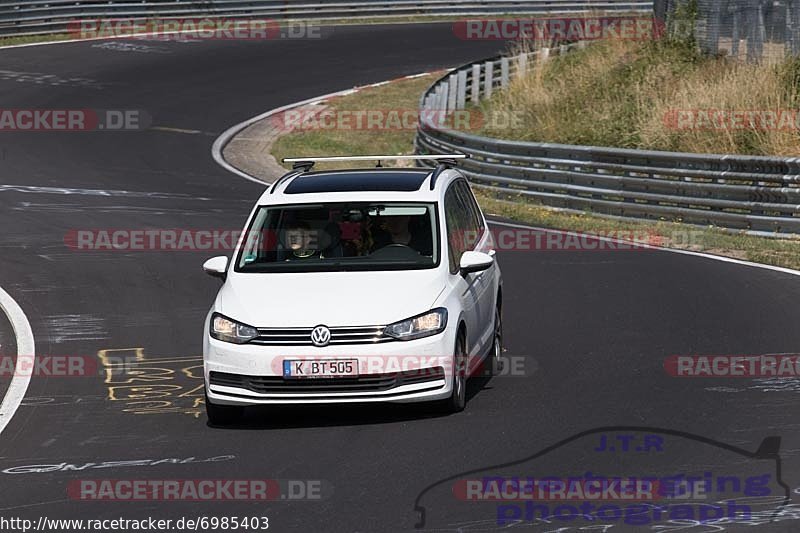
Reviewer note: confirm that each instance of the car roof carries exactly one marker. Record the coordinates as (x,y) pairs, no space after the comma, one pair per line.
(357,180)
(371,184)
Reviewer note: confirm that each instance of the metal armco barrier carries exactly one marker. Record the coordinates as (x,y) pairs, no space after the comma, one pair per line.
(757,194)
(36,17)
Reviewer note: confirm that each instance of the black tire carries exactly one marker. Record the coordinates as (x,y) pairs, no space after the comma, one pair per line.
(458,398)
(495,357)
(492,364)
(222,415)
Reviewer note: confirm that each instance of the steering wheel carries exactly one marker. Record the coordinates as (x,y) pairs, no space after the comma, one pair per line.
(394,249)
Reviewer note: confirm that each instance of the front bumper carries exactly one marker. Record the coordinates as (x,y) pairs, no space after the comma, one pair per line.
(410,371)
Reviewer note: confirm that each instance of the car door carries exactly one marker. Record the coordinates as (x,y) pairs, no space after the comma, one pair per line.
(460,239)
(484,281)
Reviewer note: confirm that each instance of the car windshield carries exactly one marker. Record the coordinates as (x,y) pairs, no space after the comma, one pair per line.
(341,236)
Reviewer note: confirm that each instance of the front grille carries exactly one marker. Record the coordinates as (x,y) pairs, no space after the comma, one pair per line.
(302,336)
(365,383)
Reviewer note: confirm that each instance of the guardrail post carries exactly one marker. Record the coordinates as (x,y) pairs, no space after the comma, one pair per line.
(504,72)
(522,64)
(487,79)
(461,97)
(475,93)
(452,92)
(544,54)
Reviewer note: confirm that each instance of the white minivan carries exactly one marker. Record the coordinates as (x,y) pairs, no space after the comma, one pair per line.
(366,285)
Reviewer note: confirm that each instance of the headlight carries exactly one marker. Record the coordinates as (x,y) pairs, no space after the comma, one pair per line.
(424,325)
(225,329)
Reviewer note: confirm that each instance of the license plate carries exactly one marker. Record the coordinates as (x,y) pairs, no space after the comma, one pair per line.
(320,368)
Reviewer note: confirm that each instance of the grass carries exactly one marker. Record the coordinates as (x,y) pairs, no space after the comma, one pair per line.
(400,96)
(405,95)
(29,39)
(633,94)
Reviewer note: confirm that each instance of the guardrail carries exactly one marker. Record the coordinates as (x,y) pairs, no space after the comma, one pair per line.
(36,17)
(758,194)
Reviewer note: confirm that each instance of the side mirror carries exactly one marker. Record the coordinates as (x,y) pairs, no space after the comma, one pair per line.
(475,262)
(216,266)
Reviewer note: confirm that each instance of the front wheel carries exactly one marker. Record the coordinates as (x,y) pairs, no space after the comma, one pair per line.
(458,397)
(497,345)
(222,415)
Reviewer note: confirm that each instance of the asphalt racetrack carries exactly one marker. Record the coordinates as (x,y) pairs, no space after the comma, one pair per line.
(592,329)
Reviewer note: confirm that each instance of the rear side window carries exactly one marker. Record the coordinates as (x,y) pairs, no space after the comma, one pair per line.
(476,220)
(462,225)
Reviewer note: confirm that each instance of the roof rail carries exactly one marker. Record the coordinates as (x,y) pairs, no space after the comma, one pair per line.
(444,164)
(307,163)
(290,174)
(305,166)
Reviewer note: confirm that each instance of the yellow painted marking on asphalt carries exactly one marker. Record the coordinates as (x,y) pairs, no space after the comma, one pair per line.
(144,385)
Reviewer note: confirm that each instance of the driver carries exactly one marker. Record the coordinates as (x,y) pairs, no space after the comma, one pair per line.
(396,230)
(397,227)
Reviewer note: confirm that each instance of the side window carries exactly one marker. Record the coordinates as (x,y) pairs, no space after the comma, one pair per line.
(457,226)
(475,208)
(474,220)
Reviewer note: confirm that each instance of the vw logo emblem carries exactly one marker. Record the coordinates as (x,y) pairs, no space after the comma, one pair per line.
(320,336)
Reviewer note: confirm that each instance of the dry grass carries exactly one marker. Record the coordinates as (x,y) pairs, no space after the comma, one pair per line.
(627,94)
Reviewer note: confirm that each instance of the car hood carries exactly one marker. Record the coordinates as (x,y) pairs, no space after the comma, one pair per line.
(330,298)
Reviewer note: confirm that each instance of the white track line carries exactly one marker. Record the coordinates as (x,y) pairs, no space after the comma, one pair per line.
(25,347)
(223,139)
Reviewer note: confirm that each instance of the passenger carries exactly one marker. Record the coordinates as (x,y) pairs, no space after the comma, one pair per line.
(301,241)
